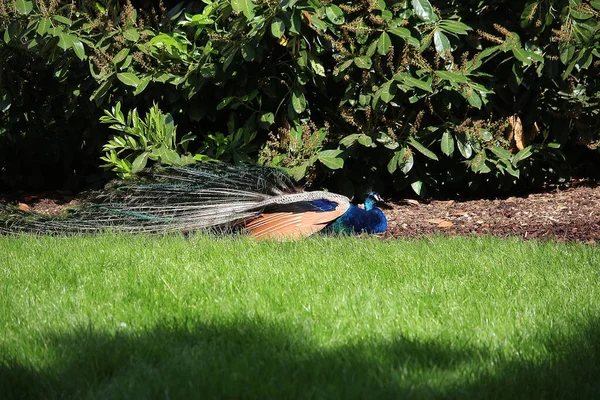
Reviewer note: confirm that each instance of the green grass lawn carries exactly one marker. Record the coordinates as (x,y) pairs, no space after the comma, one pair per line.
(117,316)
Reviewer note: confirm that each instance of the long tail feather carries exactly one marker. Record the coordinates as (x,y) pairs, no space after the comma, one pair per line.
(217,196)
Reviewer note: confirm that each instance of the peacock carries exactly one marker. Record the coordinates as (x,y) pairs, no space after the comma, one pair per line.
(260,201)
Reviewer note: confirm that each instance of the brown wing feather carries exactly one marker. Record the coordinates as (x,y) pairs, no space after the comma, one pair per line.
(290,224)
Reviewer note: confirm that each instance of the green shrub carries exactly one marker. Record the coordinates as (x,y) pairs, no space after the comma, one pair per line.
(460,94)
(151,138)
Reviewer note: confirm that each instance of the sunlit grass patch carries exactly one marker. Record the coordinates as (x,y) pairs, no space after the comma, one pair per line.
(149,316)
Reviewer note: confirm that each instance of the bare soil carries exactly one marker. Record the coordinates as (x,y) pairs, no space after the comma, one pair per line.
(567,213)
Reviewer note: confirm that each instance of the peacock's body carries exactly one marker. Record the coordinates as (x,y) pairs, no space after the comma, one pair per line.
(260,201)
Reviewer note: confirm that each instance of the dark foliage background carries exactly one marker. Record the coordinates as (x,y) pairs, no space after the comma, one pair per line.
(446,96)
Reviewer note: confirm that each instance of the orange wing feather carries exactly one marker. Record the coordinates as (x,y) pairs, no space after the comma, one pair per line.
(293,224)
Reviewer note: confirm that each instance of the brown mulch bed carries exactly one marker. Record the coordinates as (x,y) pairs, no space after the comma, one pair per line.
(570,213)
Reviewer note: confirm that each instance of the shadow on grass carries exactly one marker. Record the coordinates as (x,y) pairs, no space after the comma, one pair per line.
(257,359)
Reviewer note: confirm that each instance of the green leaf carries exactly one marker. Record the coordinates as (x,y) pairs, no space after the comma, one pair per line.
(131,34)
(295,22)
(387,92)
(120,56)
(464,147)
(268,118)
(318,23)
(379,5)
(406,162)
(455,27)
(413,82)
(98,95)
(24,6)
(244,6)
(224,102)
(43,26)
(447,143)
(422,149)
(143,83)
(7,36)
(473,98)
(486,134)
(365,99)
(365,140)
(402,160)
(330,158)
(452,76)
(65,41)
(126,63)
(129,79)
(566,52)
(139,163)
(317,67)
(384,43)
(186,159)
(163,40)
(276,161)
(515,77)
(595,4)
(394,162)
(277,28)
(299,171)
(249,51)
(581,13)
(585,30)
(363,62)
(372,49)
(100,7)
(349,140)
(302,58)
(166,156)
(201,19)
(478,162)
(480,88)
(521,155)
(62,20)
(424,10)
(501,153)
(514,172)
(527,57)
(78,48)
(5,100)
(442,43)
(417,186)
(335,14)
(202,158)
(405,34)
(527,13)
(585,58)
(298,101)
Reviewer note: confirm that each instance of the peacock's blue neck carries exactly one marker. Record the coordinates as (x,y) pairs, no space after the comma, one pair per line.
(358,220)
(370,203)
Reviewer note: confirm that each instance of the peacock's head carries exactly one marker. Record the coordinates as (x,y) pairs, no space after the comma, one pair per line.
(371,200)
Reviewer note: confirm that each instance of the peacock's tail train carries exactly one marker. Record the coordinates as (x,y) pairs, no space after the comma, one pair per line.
(261,201)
